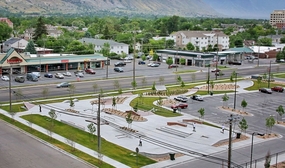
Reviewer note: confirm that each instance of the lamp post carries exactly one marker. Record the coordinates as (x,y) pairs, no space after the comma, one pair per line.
(258,55)
(208,80)
(235,96)
(217,58)
(269,74)
(251,151)
(230,141)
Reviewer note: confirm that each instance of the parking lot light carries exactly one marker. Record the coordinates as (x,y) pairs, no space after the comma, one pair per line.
(251,151)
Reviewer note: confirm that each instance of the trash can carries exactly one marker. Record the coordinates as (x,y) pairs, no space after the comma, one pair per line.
(211,93)
(174,110)
(238,135)
(172,156)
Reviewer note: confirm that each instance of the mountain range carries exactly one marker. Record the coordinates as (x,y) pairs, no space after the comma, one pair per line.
(186,8)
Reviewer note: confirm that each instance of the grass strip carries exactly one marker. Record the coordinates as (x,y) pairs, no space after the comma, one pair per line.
(56,143)
(263,84)
(109,149)
(146,104)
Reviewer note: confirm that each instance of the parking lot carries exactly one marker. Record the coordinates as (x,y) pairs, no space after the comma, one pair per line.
(260,105)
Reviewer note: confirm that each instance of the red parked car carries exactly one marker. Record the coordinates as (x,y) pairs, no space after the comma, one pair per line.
(181,105)
(90,71)
(277,89)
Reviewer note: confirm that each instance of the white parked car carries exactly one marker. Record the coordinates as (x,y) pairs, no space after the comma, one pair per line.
(5,78)
(59,76)
(127,61)
(67,74)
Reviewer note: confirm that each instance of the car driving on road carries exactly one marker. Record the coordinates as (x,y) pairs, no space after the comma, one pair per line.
(119,64)
(197,97)
(63,84)
(118,69)
(265,90)
(277,89)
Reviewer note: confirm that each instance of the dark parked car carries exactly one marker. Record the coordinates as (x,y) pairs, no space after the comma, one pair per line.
(118,69)
(141,62)
(215,70)
(277,89)
(119,64)
(265,90)
(181,98)
(90,71)
(234,62)
(197,97)
(181,105)
(48,75)
(63,84)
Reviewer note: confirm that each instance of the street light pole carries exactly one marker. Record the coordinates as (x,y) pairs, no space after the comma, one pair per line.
(235,95)
(217,58)
(251,151)
(230,142)
(208,81)
(10,91)
(269,71)
(258,55)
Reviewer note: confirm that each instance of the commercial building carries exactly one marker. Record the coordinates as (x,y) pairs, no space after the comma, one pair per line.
(277,19)
(201,39)
(8,21)
(26,62)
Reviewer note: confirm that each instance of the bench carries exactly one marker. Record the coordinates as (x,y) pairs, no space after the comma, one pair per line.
(176,123)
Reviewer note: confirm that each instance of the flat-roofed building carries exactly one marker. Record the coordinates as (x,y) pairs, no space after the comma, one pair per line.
(277,18)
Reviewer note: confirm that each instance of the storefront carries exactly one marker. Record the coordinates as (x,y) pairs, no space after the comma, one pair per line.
(24,63)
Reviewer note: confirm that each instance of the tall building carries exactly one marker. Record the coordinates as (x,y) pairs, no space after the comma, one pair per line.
(277,19)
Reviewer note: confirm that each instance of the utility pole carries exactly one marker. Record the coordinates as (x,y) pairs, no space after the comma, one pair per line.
(208,80)
(10,91)
(175,60)
(134,59)
(217,57)
(98,127)
(235,95)
(230,142)
(269,71)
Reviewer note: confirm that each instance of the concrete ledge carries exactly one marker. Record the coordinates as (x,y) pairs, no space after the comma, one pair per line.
(176,123)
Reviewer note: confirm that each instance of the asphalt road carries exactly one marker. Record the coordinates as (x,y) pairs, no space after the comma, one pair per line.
(261,105)
(151,74)
(17,150)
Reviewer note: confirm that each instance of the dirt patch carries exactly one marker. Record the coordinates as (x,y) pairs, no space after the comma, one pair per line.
(267,136)
(168,102)
(224,86)
(166,157)
(234,140)
(280,123)
(109,101)
(122,114)
(279,165)
(240,112)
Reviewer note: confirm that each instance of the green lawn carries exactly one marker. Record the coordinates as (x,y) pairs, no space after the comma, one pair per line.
(200,92)
(184,71)
(109,149)
(279,75)
(56,143)
(256,86)
(146,104)
(15,108)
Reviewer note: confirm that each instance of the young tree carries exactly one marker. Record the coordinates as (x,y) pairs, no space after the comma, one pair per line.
(71,103)
(182,84)
(270,123)
(212,85)
(70,140)
(193,76)
(95,87)
(182,61)
(153,86)
(243,104)
(280,111)
(144,82)
(159,101)
(114,102)
(267,160)
(225,99)
(143,57)
(106,50)
(169,61)
(116,84)
(258,81)
(161,80)
(155,57)
(243,125)
(120,91)
(5,32)
(71,89)
(201,111)
(45,92)
(31,48)
(264,76)
(233,75)
(52,115)
(178,79)
(92,129)
(136,106)
(129,119)
(134,84)
(141,98)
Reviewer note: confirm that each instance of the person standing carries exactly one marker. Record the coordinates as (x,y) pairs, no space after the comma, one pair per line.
(194,127)
(40,108)
(223,128)
(140,142)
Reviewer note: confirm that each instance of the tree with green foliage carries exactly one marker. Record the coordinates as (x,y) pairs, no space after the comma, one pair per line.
(225,98)
(270,121)
(114,102)
(106,50)
(267,160)
(95,87)
(52,115)
(92,129)
(280,111)
(153,86)
(134,84)
(178,79)
(116,84)
(129,119)
(233,75)
(201,111)
(40,29)
(143,81)
(182,61)
(45,92)
(258,81)
(190,46)
(136,106)
(159,101)
(243,104)
(212,84)
(155,57)
(143,57)
(31,48)
(5,32)
(243,125)
(79,48)
(264,76)
(169,44)
(265,41)
(169,61)
(182,84)
(71,103)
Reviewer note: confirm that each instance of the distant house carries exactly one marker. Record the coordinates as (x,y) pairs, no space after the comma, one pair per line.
(8,21)
(53,31)
(275,38)
(115,47)
(17,43)
(248,43)
(201,39)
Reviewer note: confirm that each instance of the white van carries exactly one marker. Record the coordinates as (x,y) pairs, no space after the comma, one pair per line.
(38,74)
